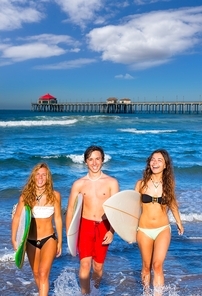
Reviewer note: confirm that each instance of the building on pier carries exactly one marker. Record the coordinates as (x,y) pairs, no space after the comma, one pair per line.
(112,100)
(125,101)
(47,99)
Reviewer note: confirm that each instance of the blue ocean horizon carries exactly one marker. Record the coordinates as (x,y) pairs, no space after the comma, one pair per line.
(60,139)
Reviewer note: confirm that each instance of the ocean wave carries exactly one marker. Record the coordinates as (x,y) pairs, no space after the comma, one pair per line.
(194,237)
(19,161)
(189,167)
(9,256)
(75,158)
(107,117)
(191,217)
(28,123)
(66,284)
(135,131)
(80,158)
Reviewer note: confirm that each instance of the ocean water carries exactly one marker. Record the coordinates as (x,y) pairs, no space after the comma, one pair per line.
(59,139)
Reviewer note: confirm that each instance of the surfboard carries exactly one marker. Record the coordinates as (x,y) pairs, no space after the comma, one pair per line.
(123,212)
(73,231)
(22,234)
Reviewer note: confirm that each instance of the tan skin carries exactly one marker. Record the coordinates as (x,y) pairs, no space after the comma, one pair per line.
(153,252)
(41,259)
(95,193)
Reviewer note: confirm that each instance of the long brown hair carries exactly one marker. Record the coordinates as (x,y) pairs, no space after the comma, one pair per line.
(168,186)
(29,190)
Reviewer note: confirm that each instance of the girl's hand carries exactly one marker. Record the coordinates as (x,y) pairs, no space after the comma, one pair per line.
(180,228)
(59,250)
(15,246)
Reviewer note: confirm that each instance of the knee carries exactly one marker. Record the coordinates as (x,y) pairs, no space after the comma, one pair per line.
(97,267)
(157,267)
(36,274)
(146,269)
(42,275)
(86,265)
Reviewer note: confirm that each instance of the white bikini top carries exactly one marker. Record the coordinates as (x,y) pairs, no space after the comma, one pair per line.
(42,212)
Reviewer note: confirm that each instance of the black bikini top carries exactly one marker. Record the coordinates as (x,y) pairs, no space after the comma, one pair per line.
(148,198)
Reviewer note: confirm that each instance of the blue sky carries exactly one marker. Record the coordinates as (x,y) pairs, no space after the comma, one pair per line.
(90,50)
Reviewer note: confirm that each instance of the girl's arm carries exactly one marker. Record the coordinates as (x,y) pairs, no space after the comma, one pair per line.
(58,222)
(138,186)
(176,215)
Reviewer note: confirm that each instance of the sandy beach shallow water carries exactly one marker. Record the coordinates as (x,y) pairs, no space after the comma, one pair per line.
(60,139)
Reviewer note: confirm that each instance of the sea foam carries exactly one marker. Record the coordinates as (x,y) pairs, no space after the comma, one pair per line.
(31,123)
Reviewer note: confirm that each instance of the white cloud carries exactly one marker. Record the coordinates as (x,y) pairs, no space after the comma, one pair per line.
(81,12)
(31,51)
(38,46)
(126,76)
(51,39)
(150,39)
(144,2)
(14,13)
(67,64)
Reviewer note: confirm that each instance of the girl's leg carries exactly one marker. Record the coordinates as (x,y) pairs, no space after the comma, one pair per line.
(33,255)
(145,244)
(41,261)
(161,246)
(48,253)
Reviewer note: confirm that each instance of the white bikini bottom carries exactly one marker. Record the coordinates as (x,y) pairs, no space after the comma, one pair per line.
(153,232)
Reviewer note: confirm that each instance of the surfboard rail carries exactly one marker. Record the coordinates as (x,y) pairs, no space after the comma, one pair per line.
(73,231)
(22,234)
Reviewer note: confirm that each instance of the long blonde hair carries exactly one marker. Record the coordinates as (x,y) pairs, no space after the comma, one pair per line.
(29,190)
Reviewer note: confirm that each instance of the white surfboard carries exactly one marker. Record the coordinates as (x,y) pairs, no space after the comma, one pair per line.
(123,212)
(73,231)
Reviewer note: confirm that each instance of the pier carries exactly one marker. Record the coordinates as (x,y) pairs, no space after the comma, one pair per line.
(121,108)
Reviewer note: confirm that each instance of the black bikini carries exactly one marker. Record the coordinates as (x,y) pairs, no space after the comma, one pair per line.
(40,242)
(148,198)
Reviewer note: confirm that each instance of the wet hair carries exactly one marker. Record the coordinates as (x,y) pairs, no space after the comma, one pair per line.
(91,149)
(168,186)
(29,190)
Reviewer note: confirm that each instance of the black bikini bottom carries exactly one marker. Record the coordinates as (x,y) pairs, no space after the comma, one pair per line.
(40,242)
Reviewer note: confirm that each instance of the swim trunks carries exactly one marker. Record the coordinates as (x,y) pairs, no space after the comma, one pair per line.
(90,239)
